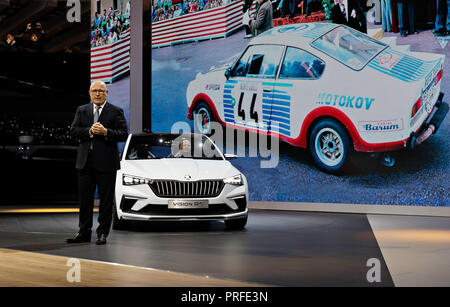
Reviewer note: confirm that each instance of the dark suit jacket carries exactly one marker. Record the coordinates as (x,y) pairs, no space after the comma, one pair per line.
(105,151)
(337,16)
(359,22)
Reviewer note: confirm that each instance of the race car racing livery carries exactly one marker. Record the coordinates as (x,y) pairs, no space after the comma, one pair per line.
(325,87)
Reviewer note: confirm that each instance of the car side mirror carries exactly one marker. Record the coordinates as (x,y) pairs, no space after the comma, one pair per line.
(230,156)
(228,73)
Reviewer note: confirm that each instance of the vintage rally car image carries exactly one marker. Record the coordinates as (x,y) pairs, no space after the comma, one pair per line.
(325,87)
(178,177)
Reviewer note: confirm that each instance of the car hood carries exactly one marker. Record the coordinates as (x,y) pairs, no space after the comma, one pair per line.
(220,67)
(177,169)
(213,74)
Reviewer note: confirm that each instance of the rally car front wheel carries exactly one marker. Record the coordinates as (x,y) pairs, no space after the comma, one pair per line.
(203,118)
(330,145)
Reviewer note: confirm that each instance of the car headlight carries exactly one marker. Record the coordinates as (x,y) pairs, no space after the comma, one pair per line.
(235,180)
(133,180)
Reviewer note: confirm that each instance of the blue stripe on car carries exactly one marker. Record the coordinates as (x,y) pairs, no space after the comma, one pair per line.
(276,84)
(408,68)
(281,114)
(272,107)
(276,102)
(276,119)
(276,96)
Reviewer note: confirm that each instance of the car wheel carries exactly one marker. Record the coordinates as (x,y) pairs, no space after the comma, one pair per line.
(236,224)
(203,118)
(330,145)
(117,223)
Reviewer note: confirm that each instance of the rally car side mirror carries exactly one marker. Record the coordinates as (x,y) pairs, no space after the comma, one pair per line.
(228,73)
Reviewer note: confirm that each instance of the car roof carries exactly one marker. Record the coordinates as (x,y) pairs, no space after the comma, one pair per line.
(294,34)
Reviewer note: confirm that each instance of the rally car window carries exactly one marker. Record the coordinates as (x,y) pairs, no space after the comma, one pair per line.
(241,67)
(259,61)
(300,64)
(265,60)
(348,46)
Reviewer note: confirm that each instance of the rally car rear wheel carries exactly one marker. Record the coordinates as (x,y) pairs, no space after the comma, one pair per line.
(329,144)
(203,118)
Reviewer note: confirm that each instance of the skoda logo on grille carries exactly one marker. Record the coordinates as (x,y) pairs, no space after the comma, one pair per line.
(187,177)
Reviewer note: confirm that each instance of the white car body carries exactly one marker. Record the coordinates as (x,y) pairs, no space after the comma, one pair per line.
(193,178)
(373,103)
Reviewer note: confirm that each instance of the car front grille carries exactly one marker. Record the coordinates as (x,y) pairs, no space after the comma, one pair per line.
(187,189)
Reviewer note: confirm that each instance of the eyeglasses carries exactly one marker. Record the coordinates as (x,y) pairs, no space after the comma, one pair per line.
(98,91)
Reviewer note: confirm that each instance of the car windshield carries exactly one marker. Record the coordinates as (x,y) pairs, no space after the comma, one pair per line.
(173,146)
(348,46)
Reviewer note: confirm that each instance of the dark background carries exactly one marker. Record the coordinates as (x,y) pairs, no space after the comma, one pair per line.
(40,89)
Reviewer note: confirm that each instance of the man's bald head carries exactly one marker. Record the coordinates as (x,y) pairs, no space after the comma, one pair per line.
(98,92)
(98,83)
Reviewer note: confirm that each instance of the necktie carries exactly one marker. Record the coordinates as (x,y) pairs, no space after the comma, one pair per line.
(96,116)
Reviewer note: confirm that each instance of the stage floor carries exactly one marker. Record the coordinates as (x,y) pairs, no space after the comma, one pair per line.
(278,248)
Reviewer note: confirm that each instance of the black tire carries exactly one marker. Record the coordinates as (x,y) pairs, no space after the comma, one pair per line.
(118,224)
(236,224)
(332,137)
(205,115)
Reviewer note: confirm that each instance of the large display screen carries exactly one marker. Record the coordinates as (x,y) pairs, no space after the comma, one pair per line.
(110,49)
(343,109)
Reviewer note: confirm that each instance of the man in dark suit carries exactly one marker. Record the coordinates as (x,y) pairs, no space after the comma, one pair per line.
(339,13)
(349,13)
(99,126)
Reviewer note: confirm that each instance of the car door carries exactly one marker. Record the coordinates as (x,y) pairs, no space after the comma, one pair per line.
(295,90)
(250,85)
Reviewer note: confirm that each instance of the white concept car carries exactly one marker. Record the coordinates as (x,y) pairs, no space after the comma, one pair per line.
(325,87)
(178,177)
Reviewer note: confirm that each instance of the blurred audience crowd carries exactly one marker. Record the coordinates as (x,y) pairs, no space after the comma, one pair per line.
(398,16)
(168,9)
(107,27)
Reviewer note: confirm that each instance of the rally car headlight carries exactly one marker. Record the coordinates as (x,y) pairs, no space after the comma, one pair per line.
(133,180)
(235,180)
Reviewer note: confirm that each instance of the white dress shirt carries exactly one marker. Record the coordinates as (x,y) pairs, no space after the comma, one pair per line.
(345,4)
(100,110)
(93,113)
